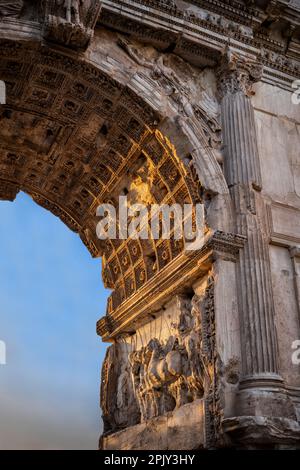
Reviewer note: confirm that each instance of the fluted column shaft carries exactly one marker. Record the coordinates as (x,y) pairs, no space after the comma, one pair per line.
(242,171)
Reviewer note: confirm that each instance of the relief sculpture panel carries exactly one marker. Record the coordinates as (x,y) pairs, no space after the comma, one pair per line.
(167,363)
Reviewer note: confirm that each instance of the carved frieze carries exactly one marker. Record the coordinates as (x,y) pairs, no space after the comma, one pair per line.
(168,373)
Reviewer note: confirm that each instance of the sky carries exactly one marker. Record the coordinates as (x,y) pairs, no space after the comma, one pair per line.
(51,295)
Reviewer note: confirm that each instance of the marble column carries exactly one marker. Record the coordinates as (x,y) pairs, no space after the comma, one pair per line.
(242,170)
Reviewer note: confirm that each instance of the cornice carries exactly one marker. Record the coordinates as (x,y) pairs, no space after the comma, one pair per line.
(177,275)
(231,9)
(200,41)
(250,13)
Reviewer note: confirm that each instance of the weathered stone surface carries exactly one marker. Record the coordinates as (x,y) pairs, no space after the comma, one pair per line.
(179,430)
(259,431)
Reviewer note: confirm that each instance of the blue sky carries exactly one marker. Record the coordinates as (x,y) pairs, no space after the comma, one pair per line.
(51,297)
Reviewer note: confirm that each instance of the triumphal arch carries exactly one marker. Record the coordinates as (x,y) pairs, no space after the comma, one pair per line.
(174,102)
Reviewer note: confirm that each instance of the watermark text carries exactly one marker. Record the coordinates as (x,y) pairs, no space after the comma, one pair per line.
(296,353)
(2,353)
(158,222)
(2,92)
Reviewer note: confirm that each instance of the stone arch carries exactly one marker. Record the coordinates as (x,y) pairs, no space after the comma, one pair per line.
(76,127)
(89,108)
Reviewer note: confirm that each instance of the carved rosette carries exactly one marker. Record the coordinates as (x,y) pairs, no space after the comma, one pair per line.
(71,22)
(238,74)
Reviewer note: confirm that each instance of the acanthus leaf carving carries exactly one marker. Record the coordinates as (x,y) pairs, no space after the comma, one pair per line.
(238,73)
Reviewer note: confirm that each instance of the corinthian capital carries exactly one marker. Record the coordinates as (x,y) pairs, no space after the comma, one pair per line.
(238,73)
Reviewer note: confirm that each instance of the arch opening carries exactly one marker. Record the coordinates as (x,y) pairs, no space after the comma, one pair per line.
(50,300)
